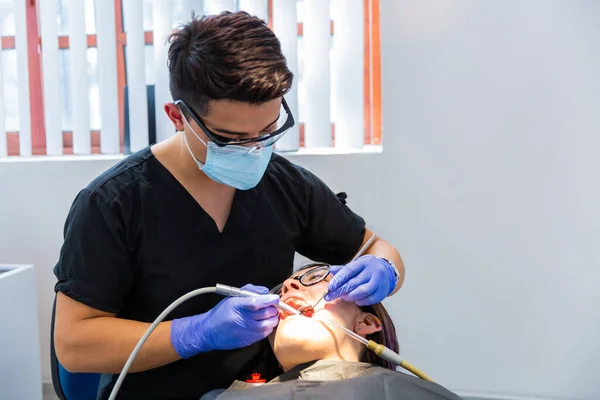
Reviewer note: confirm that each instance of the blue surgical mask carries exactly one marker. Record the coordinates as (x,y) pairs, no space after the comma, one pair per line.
(237,166)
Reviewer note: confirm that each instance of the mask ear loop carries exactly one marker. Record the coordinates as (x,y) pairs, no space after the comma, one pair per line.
(199,163)
(191,129)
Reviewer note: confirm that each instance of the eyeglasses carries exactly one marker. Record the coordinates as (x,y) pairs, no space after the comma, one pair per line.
(284,122)
(309,278)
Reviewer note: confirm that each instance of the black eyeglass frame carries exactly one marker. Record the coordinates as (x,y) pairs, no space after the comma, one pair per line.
(223,141)
(311,268)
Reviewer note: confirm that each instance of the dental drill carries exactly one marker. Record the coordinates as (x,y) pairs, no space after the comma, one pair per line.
(237,292)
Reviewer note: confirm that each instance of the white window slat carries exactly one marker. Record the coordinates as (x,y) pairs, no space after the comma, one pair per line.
(19,8)
(136,74)
(3,144)
(259,8)
(285,18)
(185,12)
(316,68)
(348,73)
(217,6)
(50,66)
(163,26)
(79,93)
(108,77)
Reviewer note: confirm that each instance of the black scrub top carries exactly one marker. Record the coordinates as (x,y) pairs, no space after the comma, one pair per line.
(136,240)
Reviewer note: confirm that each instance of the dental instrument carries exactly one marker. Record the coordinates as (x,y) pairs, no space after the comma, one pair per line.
(224,290)
(232,291)
(356,257)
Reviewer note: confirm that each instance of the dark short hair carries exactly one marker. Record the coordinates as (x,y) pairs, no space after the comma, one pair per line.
(231,56)
(387,336)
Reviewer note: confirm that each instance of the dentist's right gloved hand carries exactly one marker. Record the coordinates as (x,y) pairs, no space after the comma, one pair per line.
(233,323)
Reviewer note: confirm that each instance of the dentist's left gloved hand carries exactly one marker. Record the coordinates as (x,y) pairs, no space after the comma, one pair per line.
(365,281)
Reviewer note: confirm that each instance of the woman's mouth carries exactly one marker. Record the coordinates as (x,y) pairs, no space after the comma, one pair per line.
(297,304)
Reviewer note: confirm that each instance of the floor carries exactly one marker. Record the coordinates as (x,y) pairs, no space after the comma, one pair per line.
(48,392)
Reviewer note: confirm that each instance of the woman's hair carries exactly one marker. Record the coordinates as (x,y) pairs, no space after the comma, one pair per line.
(231,56)
(387,336)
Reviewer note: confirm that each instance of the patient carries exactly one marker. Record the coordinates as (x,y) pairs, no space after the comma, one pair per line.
(322,362)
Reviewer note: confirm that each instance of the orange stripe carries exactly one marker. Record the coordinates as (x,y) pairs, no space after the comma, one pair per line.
(376,55)
(270,14)
(8,42)
(36,93)
(367,72)
(121,73)
(148,37)
(12,143)
(332,134)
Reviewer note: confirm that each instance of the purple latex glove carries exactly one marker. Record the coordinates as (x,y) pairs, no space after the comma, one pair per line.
(233,323)
(365,281)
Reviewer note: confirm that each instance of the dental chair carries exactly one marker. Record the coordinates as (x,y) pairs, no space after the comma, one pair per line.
(68,385)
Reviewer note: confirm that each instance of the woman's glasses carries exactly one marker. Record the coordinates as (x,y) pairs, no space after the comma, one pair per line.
(309,278)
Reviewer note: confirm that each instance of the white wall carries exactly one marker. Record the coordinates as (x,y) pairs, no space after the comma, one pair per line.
(488,185)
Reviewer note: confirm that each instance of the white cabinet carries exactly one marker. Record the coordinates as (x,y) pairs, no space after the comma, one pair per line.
(20,365)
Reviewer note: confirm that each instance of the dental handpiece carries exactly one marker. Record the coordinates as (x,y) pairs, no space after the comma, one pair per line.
(232,291)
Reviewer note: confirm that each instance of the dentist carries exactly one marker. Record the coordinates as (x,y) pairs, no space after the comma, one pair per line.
(211,204)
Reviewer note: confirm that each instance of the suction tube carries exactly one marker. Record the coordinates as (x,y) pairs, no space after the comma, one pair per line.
(382,351)
(158,320)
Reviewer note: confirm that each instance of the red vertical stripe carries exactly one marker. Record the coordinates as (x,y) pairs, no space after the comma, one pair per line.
(36,93)
(121,73)
(376,55)
(367,71)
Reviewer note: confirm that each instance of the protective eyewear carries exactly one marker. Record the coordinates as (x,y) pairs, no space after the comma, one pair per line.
(284,122)
(309,278)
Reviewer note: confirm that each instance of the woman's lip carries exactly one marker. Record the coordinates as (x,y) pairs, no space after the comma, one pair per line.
(295,302)
(284,299)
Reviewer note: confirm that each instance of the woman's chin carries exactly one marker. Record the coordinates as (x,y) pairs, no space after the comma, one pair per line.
(301,335)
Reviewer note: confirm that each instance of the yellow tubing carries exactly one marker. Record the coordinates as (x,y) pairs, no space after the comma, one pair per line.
(415,370)
(380,350)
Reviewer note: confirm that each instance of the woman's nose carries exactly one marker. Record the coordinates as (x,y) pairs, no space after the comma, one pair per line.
(290,284)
